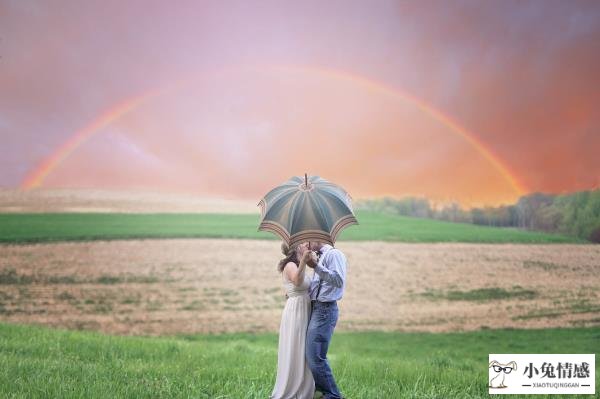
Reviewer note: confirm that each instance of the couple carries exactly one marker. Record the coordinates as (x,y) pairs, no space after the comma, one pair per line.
(308,320)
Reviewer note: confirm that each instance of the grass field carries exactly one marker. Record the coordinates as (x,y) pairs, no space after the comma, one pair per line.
(52,282)
(38,362)
(44,227)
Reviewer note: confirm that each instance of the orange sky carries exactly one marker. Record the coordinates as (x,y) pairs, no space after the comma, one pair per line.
(342,90)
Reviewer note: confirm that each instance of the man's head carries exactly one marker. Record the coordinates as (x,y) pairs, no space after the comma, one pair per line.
(315,245)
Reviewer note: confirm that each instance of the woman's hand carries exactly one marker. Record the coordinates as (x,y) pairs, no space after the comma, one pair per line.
(302,250)
(310,259)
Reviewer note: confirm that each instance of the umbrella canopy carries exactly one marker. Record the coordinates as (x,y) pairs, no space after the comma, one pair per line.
(306,209)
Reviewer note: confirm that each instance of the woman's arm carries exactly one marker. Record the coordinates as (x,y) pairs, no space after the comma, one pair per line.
(295,274)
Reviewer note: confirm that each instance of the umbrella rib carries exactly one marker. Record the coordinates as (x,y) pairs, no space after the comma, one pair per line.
(293,210)
(343,222)
(280,197)
(321,210)
(336,198)
(276,228)
(309,235)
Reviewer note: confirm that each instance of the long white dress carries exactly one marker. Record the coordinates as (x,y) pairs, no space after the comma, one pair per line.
(294,378)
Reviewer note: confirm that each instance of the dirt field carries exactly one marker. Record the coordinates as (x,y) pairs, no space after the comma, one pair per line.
(90,200)
(152,287)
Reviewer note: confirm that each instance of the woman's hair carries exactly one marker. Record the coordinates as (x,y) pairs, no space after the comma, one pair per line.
(290,256)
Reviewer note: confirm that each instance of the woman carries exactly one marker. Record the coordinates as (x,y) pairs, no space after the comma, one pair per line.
(294,379)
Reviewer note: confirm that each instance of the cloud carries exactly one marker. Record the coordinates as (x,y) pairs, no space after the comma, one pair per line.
(521,75)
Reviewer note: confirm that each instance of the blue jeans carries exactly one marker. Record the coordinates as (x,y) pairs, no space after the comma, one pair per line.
(320,329)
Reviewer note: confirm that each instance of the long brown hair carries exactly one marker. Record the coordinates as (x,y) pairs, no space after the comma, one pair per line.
(290,256)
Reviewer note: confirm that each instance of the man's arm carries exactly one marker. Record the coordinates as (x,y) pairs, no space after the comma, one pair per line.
(336,273)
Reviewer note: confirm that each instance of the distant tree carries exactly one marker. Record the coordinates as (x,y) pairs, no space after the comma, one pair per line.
(576,214)
(527,207)
(478,216)
(547,218)
(453,213)
(595,236)
(406,206)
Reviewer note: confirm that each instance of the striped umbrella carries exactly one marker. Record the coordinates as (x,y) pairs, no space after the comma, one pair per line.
(309,209)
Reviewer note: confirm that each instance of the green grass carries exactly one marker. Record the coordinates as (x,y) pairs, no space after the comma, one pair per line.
(39,362)
(43,227)
(574,307)
(10,276)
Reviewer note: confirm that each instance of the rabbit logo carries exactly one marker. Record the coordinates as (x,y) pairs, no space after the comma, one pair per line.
(500,371)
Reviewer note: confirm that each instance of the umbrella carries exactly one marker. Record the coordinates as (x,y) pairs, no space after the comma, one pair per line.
(309,209)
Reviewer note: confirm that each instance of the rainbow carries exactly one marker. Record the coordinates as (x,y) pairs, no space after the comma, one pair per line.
(36,177)
(435,113)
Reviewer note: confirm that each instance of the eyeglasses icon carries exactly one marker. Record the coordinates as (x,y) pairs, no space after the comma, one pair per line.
(498,369)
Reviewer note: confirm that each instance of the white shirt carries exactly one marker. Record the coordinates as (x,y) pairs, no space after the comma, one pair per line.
(331,269)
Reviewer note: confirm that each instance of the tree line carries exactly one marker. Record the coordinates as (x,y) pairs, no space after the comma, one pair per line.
(576,214)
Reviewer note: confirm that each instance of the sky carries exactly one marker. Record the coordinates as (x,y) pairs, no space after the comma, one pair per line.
(468,101)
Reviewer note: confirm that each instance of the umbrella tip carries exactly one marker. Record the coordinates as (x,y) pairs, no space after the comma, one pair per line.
(306,180)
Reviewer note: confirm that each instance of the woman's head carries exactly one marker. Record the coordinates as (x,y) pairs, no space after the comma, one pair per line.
(292,254)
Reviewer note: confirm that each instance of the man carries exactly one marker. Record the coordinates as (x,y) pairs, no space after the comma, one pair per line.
(326,288)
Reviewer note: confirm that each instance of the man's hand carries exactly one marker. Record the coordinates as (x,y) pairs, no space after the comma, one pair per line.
(310,258)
